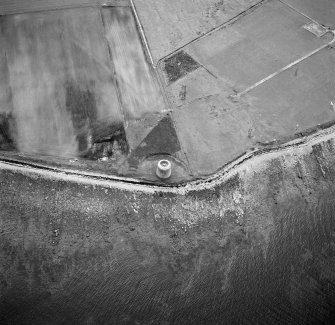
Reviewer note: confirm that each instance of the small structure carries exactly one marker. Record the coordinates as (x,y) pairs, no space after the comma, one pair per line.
(163,169)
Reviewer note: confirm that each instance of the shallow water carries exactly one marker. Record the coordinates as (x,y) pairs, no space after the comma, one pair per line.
(106,265)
